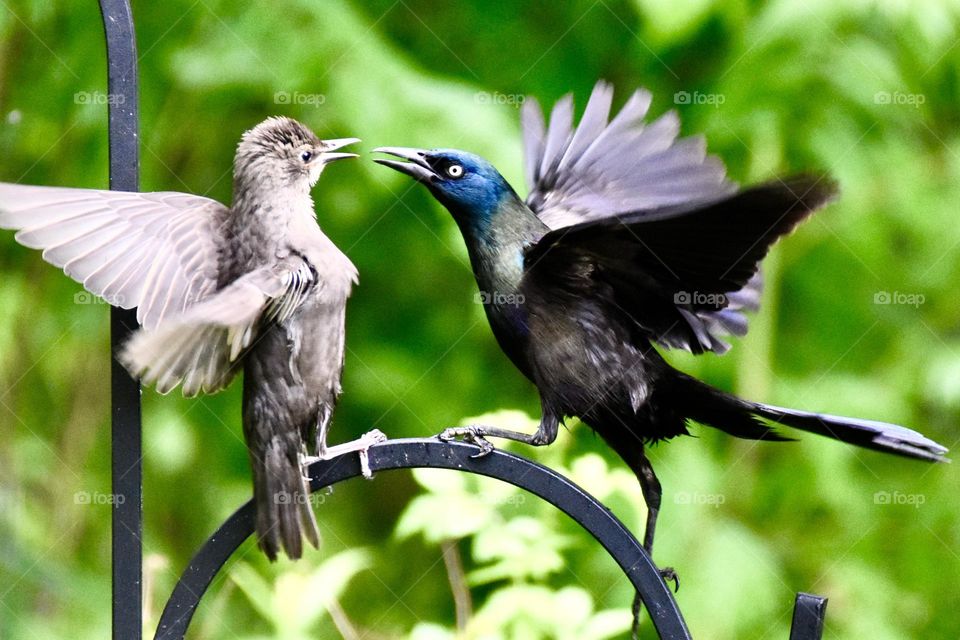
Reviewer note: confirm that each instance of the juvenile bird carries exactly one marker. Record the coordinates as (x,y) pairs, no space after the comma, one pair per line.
(255,286)
(630,238)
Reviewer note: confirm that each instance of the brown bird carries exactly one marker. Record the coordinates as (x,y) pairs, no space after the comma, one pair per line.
(255,286)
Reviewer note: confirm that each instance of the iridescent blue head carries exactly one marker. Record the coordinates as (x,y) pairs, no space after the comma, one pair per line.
(466,184)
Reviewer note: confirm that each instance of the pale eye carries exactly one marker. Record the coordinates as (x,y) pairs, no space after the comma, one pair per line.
(454,171)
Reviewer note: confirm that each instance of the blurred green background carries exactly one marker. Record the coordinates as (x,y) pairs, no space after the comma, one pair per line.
(860,317)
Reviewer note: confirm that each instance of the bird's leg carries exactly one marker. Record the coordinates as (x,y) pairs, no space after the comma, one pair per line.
(477,434)
(361,445)
(323,427)
(652,493)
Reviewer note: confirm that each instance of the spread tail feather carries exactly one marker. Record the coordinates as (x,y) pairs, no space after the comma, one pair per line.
(758,421)
(284,514)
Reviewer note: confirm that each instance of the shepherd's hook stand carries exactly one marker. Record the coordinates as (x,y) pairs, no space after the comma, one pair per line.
(127,517)
(125,428)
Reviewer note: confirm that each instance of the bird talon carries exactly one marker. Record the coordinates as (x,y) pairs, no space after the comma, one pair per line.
(365,464)
(450,434)
(486,447)
(370,438)
(473,435)
(361,446)
(669,575)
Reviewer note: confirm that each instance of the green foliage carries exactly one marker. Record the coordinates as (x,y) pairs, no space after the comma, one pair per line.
(865,89)
(517,546)
(299,597)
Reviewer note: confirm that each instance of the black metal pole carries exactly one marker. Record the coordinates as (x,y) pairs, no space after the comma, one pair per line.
(127,521)
(809,613)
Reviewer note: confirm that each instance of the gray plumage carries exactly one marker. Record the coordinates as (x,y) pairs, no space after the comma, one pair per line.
(256,286)
(609,167)
(606,167)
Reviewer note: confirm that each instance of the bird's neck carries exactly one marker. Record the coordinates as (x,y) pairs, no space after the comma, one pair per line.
(270,216)
(497,248)
(496,241)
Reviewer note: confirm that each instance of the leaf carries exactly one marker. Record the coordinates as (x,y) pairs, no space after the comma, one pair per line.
(611,623)
(521,549)
(668,24)
(431,631)
(255,587)
(438,518)
(300,597)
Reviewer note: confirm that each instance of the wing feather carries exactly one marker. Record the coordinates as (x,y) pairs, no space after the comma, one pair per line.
(534,132)
(602,169)
(672,269)
(203,347)
(155,251)
(558,134)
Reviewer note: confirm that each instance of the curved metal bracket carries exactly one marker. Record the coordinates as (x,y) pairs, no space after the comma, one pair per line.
(412,453)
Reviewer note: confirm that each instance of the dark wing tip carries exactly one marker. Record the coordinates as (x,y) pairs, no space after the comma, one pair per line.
(790,199)
(812,190)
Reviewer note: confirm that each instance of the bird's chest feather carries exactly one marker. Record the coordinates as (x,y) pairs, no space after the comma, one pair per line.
(315,333)
(315,345)
(498,275)
(582,355)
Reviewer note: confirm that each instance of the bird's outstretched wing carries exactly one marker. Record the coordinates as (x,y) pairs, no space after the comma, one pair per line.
(154,251)
(671,269)
(203,347)
(608,167)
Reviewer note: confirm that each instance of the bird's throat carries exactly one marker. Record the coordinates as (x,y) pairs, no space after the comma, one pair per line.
(496,241)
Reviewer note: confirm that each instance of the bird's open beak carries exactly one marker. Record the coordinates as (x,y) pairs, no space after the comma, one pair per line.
(417,168)
(332,145)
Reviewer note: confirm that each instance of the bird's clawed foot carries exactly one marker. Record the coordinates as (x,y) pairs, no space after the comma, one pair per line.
(473,434)
(367,440)
(669,575)
(360,446)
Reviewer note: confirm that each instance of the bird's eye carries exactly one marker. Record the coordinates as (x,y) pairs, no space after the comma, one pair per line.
(454,171)
(306,155)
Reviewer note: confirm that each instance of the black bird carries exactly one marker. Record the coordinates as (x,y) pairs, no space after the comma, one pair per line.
(629,239)
(255,286)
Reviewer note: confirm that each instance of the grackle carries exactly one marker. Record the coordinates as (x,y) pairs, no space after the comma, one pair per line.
(256,286)
(629,239)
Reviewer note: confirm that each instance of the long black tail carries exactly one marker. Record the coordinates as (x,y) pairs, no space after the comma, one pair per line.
(282,497)
(757,421)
